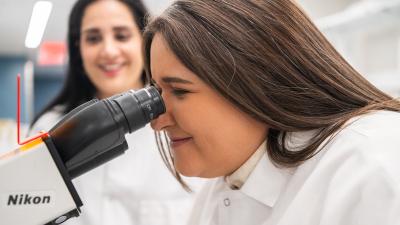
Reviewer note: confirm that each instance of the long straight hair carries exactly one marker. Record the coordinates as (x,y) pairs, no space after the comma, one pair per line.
(78,88)
(267,58)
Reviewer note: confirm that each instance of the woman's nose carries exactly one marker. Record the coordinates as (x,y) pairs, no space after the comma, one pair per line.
(110,49)
(162,122)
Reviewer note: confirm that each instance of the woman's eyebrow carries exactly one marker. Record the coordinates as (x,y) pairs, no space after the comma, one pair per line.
(122,28)
(90,30)
(175,80)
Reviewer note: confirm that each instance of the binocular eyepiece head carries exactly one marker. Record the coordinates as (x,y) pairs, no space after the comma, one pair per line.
(94,132)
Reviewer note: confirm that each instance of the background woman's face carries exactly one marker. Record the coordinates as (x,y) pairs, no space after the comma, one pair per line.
(110,46)
(209,136)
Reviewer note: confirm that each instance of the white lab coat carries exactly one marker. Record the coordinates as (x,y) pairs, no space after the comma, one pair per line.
(135,188)
(354,180)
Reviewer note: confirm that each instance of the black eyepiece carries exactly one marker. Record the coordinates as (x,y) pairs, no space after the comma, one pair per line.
(150,101)
(94,132)
(140,107)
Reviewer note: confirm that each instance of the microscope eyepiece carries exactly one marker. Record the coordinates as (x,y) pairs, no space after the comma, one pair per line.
(139,107)
(151,102)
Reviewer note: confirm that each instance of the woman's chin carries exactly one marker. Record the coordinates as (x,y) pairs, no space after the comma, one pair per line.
(187,171)
(191,172)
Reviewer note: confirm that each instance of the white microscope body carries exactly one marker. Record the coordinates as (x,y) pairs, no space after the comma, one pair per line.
(35,187)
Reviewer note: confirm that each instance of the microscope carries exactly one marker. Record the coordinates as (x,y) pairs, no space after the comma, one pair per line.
(35,179)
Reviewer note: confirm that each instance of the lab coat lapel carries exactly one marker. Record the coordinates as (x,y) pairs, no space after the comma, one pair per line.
(266,182)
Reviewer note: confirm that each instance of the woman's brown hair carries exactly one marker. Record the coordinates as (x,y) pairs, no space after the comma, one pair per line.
(267,58)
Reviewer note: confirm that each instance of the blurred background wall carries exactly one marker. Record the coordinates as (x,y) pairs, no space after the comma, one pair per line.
(366,32)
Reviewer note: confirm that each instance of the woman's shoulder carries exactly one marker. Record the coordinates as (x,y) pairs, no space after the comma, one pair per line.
(372,133)
(376,124)
(369,142)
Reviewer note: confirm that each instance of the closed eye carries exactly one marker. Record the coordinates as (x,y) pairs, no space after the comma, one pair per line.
(93,38)
(123,36)
(178,92)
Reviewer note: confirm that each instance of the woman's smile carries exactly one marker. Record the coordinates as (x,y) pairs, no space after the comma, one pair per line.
(112,70)
(177,142)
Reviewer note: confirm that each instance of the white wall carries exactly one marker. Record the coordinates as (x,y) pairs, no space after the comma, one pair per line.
(366,33)
(157,6)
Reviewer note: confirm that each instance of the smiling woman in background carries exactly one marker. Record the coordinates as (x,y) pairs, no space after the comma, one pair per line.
(258,99)
(105,58)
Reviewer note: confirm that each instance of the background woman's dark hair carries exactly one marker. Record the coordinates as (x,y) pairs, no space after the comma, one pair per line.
(267,58)
(78,88)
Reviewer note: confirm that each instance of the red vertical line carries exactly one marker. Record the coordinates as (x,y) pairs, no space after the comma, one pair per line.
(41,134)
(19,108)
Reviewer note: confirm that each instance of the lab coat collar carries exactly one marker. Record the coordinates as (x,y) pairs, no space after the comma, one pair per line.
(266,182)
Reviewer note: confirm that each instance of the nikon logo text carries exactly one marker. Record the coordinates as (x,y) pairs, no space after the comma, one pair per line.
(27,199)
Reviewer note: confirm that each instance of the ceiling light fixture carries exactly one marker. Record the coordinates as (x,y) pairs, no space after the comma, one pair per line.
(40,15)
